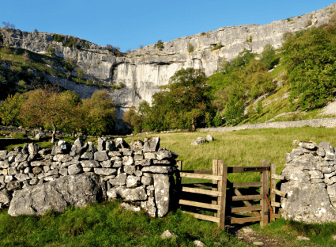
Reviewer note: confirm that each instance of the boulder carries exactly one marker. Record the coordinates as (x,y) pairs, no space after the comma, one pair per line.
(199,140)
(56,195)
(161,186)
(209,138)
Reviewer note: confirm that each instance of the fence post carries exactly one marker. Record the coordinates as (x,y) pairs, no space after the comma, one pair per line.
(178,178)
(215,182)
(222,171)
(264,190)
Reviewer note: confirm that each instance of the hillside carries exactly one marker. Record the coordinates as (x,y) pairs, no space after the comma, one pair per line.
(243,87)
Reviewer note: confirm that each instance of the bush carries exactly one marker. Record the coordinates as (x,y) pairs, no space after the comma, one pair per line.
(50,49)
(190,48)
(159,44)
(268,56)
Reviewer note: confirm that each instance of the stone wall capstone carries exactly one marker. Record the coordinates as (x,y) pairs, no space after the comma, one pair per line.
(34,180)
(310,183)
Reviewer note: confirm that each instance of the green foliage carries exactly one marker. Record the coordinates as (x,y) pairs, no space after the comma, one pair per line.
(217,47)
(190,48)
(50,49)
(183,105)
(134,120)
(268,56)
(67,42)
(79,73)
(10,110)
(22,86)
(217,119)
(310,60)
(159,44)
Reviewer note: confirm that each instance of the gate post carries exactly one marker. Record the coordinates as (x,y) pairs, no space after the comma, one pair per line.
(264,190)
(222,171)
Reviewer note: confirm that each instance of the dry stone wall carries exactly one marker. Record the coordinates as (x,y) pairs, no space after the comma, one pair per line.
(34,180)
(310,183)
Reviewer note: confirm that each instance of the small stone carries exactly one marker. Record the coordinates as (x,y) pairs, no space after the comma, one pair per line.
(127,152)
(128,160)
(136,145)
(105,171)
(46,168)
(106,164)
(198,243)
(302,238)
(63,171)
(132,181)
(90,164)
(258,243)
(34,181)
(87,156)
(168,234)
(146,180)
(119,180)
(129,170)
(152,144)
(114,153)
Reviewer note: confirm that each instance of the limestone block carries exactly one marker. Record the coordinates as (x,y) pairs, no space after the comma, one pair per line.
(114,153)
(13,185)
(27,170)
(116,158)
(120,143)
(132,194)
(161,186)
(3,154)
(143,162)
(106,164)
(8,179)
(328,169)
(150,190)
(128,160)
(4,171)
(91,147)
(149,206)
(150,156)
(129,170)
(146,180)
(52,172)
(328,148)
(112,193)
(315,174)
(316,180)
(321,152)
(4,164)
(157,169)
(21,158)
(100,156)
(89,164)
(119,180)
(44,151)
(32,149)
(109,145)
(330,181)
(307,202)
(162,162)
(152,144)
(105,171)
(166,154)
(130,207)
(56,195)
(117,164)
(2,179)
(138,157)
(330,175)
(331,189)
(74,169)
(5,198)
(22,177)
(50,178)
(34,181)
(12,171)
(308,145)
(46,168)
(132,181)
(138,173)
(101,144)
(87,156)
(36,163)
(63,171)
(136,145)
(127,152)
(11,158)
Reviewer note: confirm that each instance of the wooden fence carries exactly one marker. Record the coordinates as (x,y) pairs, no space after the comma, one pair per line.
(226,194)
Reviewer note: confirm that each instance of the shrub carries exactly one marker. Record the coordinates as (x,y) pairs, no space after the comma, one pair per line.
(8,25)
(26,57)
(190,48)
(159,44)
(79,73)
(268,56)
(50,49)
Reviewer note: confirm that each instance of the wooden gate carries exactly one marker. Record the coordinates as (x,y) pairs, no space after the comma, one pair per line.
(226,193)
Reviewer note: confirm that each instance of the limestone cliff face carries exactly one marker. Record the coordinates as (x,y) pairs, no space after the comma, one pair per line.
(144,70)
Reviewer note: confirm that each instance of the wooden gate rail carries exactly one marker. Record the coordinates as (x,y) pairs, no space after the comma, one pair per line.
(220,182)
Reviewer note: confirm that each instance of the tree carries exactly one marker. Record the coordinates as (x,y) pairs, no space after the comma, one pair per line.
(47,106)
(10,109)
(8,25)
(183,104)
(268,56)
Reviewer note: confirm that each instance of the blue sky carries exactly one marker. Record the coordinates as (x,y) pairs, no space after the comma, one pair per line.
(128,24)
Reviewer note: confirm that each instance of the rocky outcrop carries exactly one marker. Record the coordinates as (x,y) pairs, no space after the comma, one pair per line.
(33,180)
(144,70)
(310,183)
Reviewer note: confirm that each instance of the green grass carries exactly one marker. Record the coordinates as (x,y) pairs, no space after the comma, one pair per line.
(240,148)
(107,224)
(319,234)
